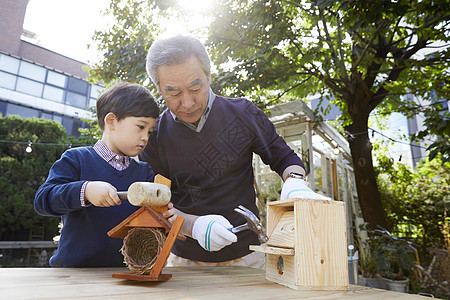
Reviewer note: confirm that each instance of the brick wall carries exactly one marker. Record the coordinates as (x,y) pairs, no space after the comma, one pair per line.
(12,15)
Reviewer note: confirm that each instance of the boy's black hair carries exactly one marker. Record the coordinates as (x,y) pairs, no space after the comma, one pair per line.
(126,100)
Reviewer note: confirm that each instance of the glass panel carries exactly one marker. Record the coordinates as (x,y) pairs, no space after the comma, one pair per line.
(96,90)
(32,71)
(77,85)
(29,87)
(71,125)
(7,80)
(57,118)
(3,108)
(76,125)
(317,161)
(67,123)
(92,102)
(76,100)
(53,93)
(46,116)
(9,64)
(22,111)
(56,79)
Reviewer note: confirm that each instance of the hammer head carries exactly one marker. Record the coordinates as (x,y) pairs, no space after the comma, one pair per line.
(253,223)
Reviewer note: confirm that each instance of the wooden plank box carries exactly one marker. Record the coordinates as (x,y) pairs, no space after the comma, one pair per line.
(307,244)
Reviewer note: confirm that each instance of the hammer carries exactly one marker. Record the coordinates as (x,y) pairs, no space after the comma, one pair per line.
(253,224)
(147,193)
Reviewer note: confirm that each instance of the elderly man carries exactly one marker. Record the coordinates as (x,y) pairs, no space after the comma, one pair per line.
(204,143)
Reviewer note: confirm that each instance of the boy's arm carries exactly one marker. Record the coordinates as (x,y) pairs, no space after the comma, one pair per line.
(60,193)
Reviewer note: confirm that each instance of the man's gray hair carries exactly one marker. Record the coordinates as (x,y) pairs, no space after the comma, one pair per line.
(175,50)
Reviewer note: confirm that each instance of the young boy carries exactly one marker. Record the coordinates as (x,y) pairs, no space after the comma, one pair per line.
(82,185)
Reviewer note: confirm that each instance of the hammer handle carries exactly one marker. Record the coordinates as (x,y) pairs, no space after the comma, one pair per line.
(122,195)
(239,228)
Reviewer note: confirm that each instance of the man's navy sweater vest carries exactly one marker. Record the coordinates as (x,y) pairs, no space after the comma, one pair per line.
(211,170)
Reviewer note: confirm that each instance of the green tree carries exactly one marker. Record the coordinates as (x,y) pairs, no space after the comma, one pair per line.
(416,201)
(125,44)
(437,125)
(22,172)
(364,55)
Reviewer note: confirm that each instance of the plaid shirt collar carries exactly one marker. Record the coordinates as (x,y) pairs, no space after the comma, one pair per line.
(116,161)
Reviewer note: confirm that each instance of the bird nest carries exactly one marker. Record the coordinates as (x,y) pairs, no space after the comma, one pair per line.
(141,247)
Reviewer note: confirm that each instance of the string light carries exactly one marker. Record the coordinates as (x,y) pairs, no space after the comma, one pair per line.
(29,149)
(29,143)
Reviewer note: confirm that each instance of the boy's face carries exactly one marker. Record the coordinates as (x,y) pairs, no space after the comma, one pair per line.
(129,136)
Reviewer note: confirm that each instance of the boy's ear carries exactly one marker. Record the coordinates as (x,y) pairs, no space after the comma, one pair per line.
(110,120)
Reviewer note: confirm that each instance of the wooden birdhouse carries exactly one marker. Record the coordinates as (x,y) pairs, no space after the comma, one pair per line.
(148,237)
(307,247)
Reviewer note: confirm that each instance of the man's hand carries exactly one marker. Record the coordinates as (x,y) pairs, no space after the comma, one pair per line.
(211,232)
(102,194)
(297,188)
(170,214)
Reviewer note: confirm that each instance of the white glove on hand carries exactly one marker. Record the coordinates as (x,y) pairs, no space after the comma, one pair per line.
(211,232)
(297,188)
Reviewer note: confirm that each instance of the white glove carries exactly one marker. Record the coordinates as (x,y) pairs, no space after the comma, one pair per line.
(297,188)
(211,232)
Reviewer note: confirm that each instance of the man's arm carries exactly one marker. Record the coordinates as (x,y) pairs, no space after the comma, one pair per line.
(189,220)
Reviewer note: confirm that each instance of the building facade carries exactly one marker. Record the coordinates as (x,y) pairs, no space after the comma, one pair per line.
(37,82)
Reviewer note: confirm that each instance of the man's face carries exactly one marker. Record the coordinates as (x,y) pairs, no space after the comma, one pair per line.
(185,88)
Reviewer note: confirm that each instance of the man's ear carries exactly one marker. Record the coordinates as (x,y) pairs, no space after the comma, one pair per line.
(110,121)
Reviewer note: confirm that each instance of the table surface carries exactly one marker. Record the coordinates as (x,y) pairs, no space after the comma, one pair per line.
(186,283)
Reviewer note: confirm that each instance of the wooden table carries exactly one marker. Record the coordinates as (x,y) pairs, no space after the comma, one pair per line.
(187,283)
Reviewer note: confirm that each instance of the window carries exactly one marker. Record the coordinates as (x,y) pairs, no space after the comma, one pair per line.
(71,125)
(76,100)
(54,94)
(56,79)
(3,108)
(77,85)
(57,118)
(32,71)
(9,64)
(92,102)
(96,90)
(22,111)
(46,116)
(7,80)
(29,87)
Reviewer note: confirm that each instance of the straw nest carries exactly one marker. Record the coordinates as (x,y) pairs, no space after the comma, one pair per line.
(141,247)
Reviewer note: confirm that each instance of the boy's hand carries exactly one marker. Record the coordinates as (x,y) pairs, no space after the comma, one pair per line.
(171,213)
(101,194)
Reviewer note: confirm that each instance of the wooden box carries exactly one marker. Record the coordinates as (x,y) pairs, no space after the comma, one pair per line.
(307,247)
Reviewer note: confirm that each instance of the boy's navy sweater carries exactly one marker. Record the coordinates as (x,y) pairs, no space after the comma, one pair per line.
(84,241)
(211,170)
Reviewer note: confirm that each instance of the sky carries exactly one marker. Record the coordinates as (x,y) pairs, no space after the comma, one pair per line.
(66,26)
